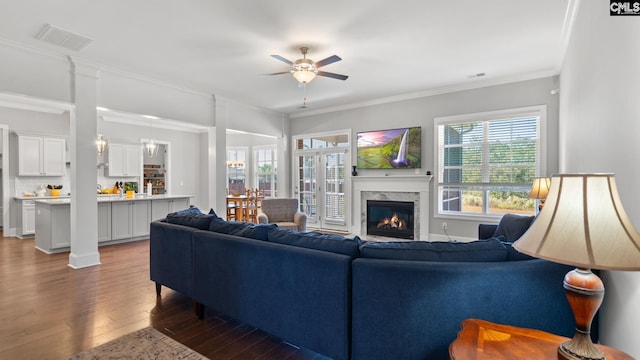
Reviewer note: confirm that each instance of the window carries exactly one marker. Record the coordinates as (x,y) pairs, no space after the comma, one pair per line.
(266,170)
(236,170)
(322,141)
(486,162)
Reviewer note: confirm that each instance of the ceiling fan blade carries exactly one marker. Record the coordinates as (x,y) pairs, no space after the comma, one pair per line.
(278,73)
(330,60)
(278,57)
(332,75)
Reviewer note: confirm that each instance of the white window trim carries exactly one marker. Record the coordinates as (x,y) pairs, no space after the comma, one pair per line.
(247,164)
(536,110)
(254,165)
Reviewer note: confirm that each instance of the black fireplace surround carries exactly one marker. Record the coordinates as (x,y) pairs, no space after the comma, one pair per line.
(390,218)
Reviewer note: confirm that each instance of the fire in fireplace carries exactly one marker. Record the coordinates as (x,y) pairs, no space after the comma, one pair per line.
(390,218)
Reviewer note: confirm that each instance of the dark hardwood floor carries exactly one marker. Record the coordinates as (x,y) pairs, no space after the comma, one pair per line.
(50,311)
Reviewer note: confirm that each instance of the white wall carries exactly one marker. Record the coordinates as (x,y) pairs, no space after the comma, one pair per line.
(422,111)
(599,128)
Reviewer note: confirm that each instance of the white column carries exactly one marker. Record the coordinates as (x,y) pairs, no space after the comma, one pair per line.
(219,179)
(84,177)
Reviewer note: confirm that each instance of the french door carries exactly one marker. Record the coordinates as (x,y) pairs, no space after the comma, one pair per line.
(321,187)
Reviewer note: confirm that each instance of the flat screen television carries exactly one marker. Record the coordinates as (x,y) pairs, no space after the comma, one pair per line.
(389,149)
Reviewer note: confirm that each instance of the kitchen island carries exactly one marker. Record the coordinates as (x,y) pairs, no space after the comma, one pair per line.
(120,219)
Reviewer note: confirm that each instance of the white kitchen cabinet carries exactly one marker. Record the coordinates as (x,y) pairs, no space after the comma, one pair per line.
(123,160)
(161,207)
(40,156)
(27,219)
(130,219)
(104,221)
(53,230)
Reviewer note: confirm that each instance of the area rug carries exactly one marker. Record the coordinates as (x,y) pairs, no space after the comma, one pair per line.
(147,343)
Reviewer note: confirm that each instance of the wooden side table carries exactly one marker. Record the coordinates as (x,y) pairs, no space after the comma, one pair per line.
(479,339)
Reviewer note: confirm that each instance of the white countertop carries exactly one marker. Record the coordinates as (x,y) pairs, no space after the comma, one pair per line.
(59,200)
(33,197)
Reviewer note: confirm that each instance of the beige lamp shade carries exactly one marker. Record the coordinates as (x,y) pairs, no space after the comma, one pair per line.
(540,188)
(584,225)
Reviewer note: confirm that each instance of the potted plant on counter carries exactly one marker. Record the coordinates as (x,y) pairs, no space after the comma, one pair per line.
(130,190)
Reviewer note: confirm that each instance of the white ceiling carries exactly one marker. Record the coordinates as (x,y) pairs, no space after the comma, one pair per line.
(389,48)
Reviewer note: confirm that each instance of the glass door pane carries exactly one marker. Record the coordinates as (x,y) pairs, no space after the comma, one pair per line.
(307,186)
(334,180)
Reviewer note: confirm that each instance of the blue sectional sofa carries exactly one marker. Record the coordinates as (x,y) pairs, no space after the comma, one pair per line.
(349,299)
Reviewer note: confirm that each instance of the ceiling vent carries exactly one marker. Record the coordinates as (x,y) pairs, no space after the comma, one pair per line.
(61,37)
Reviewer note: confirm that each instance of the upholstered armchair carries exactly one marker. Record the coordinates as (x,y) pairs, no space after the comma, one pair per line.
(283,212)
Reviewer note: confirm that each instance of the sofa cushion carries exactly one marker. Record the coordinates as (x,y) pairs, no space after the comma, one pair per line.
(198,221)
(475,251)
(513,226)
(253,231)
(313,240)
(515,255)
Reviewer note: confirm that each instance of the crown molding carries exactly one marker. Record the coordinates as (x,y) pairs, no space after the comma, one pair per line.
(127,118)
(430,92)
(82,67)
(24,102)
(35,50)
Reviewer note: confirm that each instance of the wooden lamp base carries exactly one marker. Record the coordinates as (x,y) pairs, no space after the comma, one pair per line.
(584,291)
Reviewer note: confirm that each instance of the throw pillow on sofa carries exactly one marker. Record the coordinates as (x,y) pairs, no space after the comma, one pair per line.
(476,251)
(198,221)
(513,226)
(253,231)
(313,240)
(189,210)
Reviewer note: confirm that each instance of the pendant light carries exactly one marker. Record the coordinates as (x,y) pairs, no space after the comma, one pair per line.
(151,148)
(101,141)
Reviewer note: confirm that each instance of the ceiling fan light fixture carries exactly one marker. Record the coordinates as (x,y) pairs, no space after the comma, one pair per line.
(304,75)
(304,70)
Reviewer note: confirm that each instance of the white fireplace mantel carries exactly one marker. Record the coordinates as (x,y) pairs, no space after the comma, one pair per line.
(420,184)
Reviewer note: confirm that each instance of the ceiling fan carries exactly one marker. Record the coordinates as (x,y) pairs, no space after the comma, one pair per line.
(305,70)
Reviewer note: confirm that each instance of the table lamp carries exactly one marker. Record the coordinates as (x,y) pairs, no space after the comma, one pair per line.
(539,190)
(584,226)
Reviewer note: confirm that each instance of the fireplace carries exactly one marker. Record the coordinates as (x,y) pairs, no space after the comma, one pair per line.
(390,218)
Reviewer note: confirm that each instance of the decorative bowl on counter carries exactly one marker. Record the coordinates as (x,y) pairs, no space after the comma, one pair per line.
(55,192)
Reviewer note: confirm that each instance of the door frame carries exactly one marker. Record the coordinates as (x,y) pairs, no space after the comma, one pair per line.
(167,164)
(319,153)
(6,225)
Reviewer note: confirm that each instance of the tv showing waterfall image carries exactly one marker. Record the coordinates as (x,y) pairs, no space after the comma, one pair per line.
(389,149)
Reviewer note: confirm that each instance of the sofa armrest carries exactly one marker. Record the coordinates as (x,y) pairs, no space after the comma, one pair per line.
(438,296)
(485,231)
(263,218)
(300,219)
